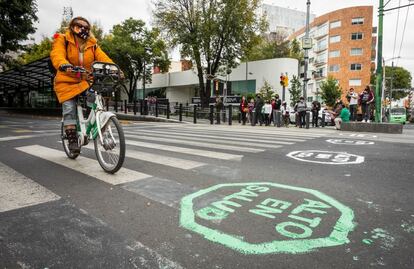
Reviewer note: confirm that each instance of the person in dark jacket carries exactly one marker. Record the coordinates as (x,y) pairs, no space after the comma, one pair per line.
(258,108)
(316,107)
(301,108)
(366,99)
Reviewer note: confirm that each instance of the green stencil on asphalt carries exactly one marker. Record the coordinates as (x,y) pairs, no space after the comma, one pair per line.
(293,225)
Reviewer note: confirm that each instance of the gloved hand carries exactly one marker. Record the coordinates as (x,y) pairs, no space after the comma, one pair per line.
(65,67)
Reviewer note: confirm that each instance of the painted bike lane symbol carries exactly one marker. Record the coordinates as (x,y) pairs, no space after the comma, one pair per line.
(349,142)
(264,218)
(326,157)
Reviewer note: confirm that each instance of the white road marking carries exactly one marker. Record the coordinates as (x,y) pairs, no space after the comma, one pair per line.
(328,157)
(195,143)
(83,165)
(11,138)
(197,152)
(17,191)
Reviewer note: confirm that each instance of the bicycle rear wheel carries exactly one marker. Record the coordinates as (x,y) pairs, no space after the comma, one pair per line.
(65,143)
(111,154)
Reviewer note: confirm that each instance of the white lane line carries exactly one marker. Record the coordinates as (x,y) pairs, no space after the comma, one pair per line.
(160,159)
(17,191)
(195,143)
(197,152)
(83,165)
(235,140)
(11,138)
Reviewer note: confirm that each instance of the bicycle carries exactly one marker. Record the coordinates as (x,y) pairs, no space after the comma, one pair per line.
(101,126)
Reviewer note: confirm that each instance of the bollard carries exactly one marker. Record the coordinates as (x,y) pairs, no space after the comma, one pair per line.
(224,114)
(125,107)
(218,115)
(240,117)
(168,110)
(253,118)
(323,119)
(279,118)
(230,114)
(307,119)
(186,109)
(141,107)
(180,116)
(195,114)
(116,105)
(211,114)
(107,104)
(156,109)
(135,107)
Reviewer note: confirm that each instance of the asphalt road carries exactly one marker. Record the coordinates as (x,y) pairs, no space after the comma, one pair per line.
(207,197)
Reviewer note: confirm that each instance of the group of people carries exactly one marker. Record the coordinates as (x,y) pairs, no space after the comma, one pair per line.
(261,111)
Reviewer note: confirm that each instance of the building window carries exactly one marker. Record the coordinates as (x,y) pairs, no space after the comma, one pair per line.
(356,21)
(356,67)
(321,45)
(335,39)
(334,53)
(321,58)
(334,68)
(356,36)
(335,24)
(356,51)
(355,82)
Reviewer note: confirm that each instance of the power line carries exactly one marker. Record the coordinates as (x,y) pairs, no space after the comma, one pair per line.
(396,30)
(403,34)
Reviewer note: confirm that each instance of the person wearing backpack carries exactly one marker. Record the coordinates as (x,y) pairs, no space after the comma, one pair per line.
(301,108)
(77,47)
(316,107)
(366,99)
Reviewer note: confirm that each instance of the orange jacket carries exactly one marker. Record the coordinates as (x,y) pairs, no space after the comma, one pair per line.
(68,85)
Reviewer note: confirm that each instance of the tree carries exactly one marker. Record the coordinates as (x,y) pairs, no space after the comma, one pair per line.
(266,91)
(126,45)
(37,51)
(330,91)
(17,19)
(401,79)
(295,90)
(213,34)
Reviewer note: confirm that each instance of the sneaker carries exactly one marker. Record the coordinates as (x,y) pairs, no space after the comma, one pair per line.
(368,121)
(72,136)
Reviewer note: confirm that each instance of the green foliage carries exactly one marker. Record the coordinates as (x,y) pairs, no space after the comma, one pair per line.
(126,46)
(266,92)
(213,34)
(330,91)
(276,47)
(16,23)
(401,79)
(37,51)
(295,90)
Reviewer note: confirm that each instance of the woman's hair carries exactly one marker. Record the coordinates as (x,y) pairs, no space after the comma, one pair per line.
(74,20)
(368,88)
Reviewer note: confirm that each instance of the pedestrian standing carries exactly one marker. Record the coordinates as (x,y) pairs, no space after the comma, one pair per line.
(258,108)
(366,99)
(244,109)
(353,103)
(251,110)
(301,107)
(267,113)
(285,114)
(316,107)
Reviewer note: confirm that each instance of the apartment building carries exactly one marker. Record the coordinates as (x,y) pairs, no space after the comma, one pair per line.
(344,47)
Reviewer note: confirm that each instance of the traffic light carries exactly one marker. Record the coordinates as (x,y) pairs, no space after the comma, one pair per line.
(284,80)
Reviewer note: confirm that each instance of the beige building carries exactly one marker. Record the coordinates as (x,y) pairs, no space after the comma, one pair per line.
(344,47)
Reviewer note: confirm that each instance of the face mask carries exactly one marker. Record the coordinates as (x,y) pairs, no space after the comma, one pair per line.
(84,33)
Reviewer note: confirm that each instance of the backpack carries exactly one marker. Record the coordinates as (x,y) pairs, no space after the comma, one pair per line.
(52,69)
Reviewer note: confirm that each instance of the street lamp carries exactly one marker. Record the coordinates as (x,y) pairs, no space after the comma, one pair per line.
(384,79)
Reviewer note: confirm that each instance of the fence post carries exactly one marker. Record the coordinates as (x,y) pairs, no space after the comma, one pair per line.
(230,114)
(211,114)
(125,107)
(107,104)
(195,114)
(116,104)
(156,108)
(323,119)
(180,112)
(186,109)
(141,107)
(168,110)
(224,114)
(135,107)
(307,119)
(218,115)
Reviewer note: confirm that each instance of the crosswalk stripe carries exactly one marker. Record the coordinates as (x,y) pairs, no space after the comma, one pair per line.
(83,165)
(11,138)
(159,159)
(234,139)
(17,191)
(195,143)
(197,152)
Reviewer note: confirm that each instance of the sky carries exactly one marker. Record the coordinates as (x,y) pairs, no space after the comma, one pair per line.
(108,13)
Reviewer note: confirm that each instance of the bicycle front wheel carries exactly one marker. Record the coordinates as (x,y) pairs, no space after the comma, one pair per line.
(111,153)
(65,143)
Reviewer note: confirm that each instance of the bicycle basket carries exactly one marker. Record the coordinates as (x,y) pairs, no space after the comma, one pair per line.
(105,76)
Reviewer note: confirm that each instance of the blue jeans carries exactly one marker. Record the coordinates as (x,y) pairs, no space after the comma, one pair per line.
(69,112)
(366,112)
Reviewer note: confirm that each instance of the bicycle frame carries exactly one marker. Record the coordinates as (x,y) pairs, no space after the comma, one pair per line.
(90,128)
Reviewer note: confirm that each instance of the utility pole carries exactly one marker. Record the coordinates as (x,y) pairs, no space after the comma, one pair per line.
(379,63)
(305,75)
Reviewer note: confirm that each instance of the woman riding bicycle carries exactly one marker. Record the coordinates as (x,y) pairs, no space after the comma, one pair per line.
(77,47)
